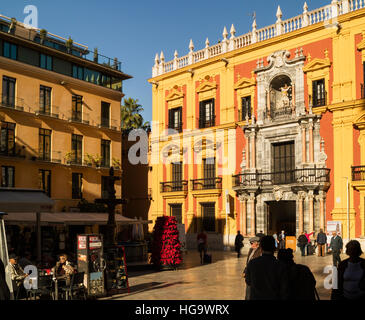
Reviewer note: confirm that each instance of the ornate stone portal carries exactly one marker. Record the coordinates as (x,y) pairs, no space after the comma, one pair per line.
(284,160)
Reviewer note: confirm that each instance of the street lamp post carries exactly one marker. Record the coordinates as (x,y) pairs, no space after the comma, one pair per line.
(348,208)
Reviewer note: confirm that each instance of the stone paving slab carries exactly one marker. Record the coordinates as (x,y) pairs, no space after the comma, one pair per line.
(221,280)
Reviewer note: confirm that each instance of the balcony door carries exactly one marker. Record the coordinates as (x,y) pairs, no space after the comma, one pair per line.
(283,162)
(7,138)
(209,173)
(177,176)
(45,100)
(45,144)
(8,94)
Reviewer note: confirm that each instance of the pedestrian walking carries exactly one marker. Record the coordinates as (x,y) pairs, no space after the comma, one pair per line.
(310,249)
(302,243)
(253,253)
(281,239)
(275,236)
(321,243)
(302,284)
(351,275)
(202,245)
(336,246)
(266,276)
(238,243)
(4,289)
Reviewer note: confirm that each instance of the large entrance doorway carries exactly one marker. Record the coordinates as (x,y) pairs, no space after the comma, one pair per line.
(281,216)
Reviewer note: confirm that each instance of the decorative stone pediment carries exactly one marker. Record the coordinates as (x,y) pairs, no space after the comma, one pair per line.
(206,85)
(175,94)
(360,122)
(317,63)
(243,83)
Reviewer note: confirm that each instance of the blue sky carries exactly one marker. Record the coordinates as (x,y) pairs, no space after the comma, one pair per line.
(134,31)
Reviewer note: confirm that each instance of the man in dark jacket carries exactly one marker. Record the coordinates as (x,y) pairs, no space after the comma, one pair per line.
(238,243)
(302,284)
(281,239)
(302,243)
(336,246)
(321,243)
(266,276)
(253,253)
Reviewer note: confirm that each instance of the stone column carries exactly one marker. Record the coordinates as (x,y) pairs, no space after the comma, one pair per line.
(253,151)
(253,214)
(311,145)
(268,102)
(243,215)
(301,197)
(310,211)
(248,157)
(322,217)
(304,148)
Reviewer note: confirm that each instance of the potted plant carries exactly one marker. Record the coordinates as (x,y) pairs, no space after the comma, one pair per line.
(68,157)
(96,55)
(43,35)
(89,159)
(116,163)
(97,161)
(69,44)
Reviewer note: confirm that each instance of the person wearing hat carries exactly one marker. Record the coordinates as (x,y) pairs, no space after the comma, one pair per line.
(253,253)
(16,273)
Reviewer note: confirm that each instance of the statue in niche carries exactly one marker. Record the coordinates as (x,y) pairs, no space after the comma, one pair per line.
(284,101)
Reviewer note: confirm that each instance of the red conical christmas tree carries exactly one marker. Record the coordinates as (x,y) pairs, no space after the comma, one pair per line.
(166,247)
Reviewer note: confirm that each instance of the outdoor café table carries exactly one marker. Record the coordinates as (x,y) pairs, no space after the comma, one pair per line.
(56,280)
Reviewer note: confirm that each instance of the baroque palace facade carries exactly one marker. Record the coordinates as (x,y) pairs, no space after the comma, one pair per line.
(269,128)
(59,115)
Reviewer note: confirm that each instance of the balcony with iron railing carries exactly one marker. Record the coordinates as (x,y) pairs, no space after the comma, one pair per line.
(297,176)
(174,186)
(107,123)
(48,111)
(206,123)
(54,156)
(12,150)
(358,173)
(175,127)
(10,102)
(79,117)
(316,102)
(206,184)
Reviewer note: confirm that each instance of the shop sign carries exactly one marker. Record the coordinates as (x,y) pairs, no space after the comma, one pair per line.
(82,242)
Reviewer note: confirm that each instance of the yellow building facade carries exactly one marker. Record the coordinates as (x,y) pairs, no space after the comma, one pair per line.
(268,129)
(59,115)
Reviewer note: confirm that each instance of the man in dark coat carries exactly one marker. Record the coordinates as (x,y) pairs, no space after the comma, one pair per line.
(253,253)
(238,243)
(4,290)
(302,284)
(302,243)
(281,239)
(266,276)
(336,246)
(321,243)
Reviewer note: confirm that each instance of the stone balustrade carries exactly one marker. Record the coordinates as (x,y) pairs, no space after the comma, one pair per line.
(307,18)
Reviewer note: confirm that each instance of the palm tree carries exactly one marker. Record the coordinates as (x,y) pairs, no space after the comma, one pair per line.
(131,115)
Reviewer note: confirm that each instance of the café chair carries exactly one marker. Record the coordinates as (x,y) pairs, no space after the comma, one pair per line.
(76,286)
(44,288)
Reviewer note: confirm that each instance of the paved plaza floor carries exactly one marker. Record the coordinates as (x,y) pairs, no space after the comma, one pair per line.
(221,280)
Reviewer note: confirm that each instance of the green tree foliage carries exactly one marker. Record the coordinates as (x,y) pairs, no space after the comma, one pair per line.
(131,115)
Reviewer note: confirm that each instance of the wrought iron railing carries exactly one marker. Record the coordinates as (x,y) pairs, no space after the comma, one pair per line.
(79,117)
(174,186)
(204,123)
(12,102)
(318,102)
(306,175)
(54,156)
(358,173)
(16,151)
(50,111)
(205,184)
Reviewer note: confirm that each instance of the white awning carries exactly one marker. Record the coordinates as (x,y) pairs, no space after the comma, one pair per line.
(24,200)
(68,218)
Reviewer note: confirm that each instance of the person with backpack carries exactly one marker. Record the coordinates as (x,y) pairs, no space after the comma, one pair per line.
(302,284)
